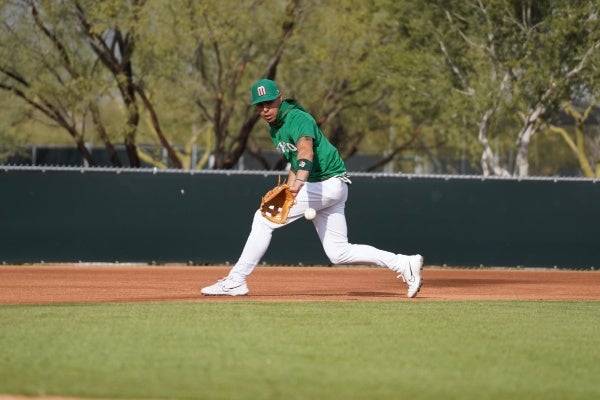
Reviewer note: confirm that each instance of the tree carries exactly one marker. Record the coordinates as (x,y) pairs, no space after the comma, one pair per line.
(358,75)
(523,56)
(219,54)
(56,68)
(113,39)
(569,37)
(48,81)
(468,80)
(589,160)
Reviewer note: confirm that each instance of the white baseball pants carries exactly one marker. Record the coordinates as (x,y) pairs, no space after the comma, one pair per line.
(328,198)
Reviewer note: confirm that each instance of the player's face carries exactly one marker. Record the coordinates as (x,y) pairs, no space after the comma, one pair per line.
(268,110)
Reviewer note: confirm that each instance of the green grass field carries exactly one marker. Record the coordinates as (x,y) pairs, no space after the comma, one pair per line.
(311,350)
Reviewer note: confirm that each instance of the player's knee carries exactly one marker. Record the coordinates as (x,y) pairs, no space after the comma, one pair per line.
(337,256)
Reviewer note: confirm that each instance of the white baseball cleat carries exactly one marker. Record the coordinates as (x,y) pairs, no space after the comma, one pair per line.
(226,287)
(412,275)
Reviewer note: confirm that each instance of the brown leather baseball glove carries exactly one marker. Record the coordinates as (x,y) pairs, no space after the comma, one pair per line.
(276,203)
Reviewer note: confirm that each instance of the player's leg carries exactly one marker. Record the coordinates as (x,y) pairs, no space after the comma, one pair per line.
(255,248)
(331,227)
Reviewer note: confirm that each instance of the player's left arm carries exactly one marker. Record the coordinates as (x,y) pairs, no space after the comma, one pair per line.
(305,159)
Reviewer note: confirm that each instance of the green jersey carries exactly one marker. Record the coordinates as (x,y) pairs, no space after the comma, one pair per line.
(293,122)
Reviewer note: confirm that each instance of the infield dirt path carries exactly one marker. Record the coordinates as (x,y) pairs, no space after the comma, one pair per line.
(116,283)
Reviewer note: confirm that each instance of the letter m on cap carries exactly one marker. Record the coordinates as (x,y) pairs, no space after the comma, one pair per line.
(261,90)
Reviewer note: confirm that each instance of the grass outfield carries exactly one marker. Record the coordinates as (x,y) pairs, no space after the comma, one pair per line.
(311,350)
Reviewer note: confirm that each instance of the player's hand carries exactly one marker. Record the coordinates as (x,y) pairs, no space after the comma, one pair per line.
(295,188)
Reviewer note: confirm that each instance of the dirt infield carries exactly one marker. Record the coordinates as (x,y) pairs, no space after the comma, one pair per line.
(117,283)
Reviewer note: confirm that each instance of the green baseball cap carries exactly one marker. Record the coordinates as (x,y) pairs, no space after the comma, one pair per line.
(264,90)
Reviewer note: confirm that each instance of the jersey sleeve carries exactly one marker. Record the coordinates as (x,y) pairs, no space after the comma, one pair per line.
(303,125)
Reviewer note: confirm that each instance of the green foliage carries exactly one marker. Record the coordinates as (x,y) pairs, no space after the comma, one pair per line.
(401,78)
(241,350)
(208,67)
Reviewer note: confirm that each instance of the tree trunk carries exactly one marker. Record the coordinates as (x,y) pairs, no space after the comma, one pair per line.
(157,128)
(85,152)
(530,127)
(110,149)
(488,159)
(132,154)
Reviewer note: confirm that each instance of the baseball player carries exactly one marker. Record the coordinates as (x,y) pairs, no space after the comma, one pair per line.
(318,179)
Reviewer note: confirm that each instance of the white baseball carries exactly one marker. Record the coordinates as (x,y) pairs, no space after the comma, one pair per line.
(310,213)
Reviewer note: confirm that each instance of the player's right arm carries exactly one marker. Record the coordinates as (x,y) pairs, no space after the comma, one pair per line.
(305,157)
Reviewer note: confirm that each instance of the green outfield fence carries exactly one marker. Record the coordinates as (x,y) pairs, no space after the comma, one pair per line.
(68,214)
